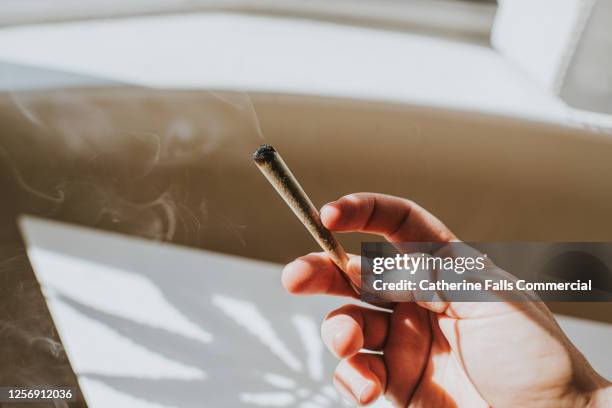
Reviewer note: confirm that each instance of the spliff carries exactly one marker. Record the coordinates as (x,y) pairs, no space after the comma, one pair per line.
(278,174)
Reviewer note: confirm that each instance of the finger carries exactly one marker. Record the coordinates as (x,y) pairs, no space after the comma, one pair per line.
(351,328)
(362,378)
(397,219)
(407,351)
(316,273)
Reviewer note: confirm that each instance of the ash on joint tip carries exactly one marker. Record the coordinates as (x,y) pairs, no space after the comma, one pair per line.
(264,153)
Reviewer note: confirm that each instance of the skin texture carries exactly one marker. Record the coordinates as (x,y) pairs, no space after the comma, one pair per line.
(438,354)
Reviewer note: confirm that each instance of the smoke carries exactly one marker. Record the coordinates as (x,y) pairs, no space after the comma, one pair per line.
(31,352)
(128,160)
(25,187)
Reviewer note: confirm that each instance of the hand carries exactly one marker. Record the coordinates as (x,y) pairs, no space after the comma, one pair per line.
(439,354)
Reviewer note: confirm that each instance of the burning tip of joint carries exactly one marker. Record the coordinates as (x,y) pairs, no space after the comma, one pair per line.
(264,153)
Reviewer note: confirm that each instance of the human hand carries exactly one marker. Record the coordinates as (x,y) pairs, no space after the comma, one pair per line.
(442,354)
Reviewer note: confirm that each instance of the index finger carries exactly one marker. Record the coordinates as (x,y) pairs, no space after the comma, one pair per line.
(396,219)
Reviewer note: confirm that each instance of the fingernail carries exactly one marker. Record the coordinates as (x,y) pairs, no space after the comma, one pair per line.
(290,278)
(345,393)
(326,210)
(329,213)
(354,263)
(365,393)
(340,341)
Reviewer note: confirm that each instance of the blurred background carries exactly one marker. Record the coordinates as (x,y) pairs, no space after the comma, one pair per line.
(139,118)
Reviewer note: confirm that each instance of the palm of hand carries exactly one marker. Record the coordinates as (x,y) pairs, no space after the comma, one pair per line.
(476,357)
